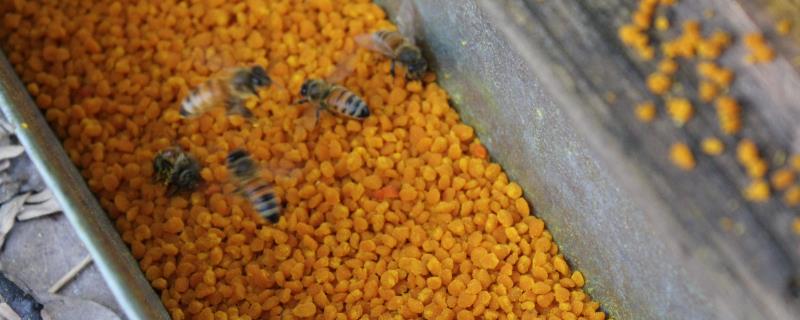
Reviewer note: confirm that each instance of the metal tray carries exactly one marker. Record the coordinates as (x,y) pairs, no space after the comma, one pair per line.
(115,262)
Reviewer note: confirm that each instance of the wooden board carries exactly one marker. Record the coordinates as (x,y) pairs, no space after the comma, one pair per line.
(573,47)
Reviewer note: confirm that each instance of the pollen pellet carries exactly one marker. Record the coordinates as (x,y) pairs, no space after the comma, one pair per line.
(712,146)
(757,191)
(577,277)
(659,83)
(707,91)
(680,110)
(505,218)
(728,115)
(513,190)
(489,261)
(403,213)
(760,51)
(782,179)
(646,112)
(306,309)
(792,196)
(682,156)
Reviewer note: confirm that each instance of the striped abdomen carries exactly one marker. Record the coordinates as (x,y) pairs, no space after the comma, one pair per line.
(346,103)
(262,198)
(208,94)
(392,39)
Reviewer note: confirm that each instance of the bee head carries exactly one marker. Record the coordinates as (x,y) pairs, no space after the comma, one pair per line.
(310,89)
(259,77)
(412,58)
(304,88)
(164,162)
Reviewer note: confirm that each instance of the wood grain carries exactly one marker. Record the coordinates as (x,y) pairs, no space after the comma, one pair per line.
(577,51)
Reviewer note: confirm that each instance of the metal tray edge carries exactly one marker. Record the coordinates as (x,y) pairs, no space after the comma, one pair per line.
(113,258)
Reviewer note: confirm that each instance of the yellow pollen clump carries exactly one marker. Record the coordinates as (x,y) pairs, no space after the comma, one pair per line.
(682,156)
(757,191)
(760,51)
(707,91)
(782,179)
(668,66)
(662,23)
(748,156)
(659,83)
(791,197)
(783,27)
(680,110)
(712,146)
(728,115)
(646,112)
(794,162)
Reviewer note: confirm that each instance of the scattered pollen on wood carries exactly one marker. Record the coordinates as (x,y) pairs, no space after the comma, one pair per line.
(757,191)
(646,112)
(662,23)
(783,26)
(782,179)
(682,156)
(796,226)
(680,110)
(712,146)
(659,83)
(760,51)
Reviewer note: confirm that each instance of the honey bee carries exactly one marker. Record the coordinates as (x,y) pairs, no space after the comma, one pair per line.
(176,169)
(398,45)
(334,98)
(232,88)
(259,192)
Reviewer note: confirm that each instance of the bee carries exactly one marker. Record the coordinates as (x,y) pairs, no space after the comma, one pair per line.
(231,88)
(398,45)
(176,169)
(259,192)
(334,98)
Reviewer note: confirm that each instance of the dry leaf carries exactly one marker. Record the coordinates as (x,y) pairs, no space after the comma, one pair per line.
(40,196)
(63,307)
(8,152)
(70,275)
(8,212)
(39,210)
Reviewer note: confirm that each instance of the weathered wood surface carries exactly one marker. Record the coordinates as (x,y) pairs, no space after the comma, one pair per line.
(572,47)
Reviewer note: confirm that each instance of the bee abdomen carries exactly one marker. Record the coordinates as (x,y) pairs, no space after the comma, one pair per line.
(264,200)
(348,104)
(200,99)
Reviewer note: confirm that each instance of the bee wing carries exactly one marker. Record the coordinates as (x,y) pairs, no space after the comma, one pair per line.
(406,17)
(343,69)
(369,42)
(235,106)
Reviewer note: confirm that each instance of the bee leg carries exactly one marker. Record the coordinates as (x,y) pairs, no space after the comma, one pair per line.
(391,69)
(316,119)
(299,102)
(236,106)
